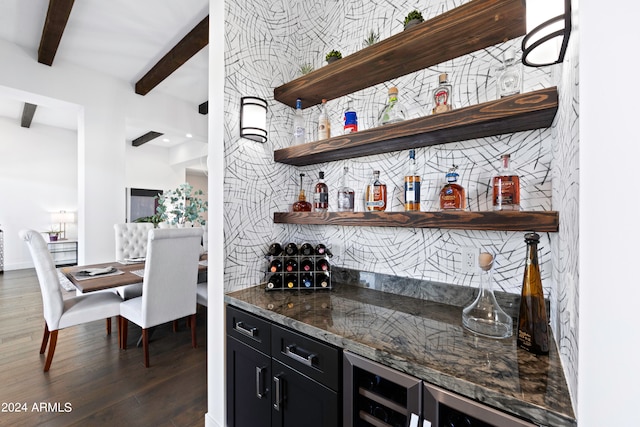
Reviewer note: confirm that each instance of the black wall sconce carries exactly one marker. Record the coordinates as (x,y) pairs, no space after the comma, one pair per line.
(548,30)
(253,118)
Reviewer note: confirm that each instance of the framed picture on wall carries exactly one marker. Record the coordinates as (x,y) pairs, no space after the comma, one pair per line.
(141,203)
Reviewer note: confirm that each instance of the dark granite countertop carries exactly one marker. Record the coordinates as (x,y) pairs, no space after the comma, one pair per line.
(424,339)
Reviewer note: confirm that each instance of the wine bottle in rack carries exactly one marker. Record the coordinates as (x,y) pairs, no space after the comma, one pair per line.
(306,249)
(322,280)
(306,264)
(307,280)
(291,249)
(291,265)
(275,266)
(275,281)
(291,281)
(275,249)
(322,265)
(323,250)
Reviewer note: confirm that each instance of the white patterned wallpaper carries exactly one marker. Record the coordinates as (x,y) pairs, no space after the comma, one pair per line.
(267,42)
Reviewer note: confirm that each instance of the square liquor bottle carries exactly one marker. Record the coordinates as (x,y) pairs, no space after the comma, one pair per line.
(506,188)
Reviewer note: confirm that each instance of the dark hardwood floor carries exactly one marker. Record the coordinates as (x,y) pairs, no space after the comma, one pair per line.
(91,381)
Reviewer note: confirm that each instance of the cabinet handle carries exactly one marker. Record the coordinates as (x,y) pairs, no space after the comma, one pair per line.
(250,331)
(277,385)
(290,351)
(259,383)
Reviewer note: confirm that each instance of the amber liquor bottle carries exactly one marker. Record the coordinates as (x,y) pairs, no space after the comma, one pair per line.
(375,196)
(412,185)
(506,188)
(452,195)
(533,334)
(321,195)
(301,205)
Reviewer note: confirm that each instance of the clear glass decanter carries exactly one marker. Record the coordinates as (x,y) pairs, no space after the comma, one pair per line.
(484,316)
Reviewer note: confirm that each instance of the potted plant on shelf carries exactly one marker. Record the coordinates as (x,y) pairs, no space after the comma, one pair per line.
(371,39)
(413,18)
(305,68)
(181,206)
(332,56)
(53,235)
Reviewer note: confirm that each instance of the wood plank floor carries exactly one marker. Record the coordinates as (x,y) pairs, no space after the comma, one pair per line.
(91,382)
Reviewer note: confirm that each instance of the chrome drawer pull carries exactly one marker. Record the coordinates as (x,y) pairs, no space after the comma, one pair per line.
(278,387)
(290,351)
(259,383)
(251,332)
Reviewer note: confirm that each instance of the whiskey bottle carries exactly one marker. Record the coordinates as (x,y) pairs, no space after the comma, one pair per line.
(533,334)
(345,194)
(301,205)
(412,185)
(321,195)
(291,249)
(298,124)
(375,195)
(452,195)
(442,95)
(509,78)
(506,188)
(393,110)
(324,125)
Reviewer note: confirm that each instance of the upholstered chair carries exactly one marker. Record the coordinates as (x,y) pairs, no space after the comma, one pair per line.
(131,242)
(168,286)
(62,313)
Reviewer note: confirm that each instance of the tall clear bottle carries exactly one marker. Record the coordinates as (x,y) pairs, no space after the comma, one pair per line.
(533,333)
(324,125)
(375,195)
(321,195)
(506,188)
(345,194)
(393,110)
(442,95)
(509,77)
(412,185)
(299,131)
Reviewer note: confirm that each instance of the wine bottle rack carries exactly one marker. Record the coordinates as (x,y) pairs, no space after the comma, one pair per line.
(320,279)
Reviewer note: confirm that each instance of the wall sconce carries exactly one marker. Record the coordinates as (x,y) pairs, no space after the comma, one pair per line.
(62,218)
(548,30)
(253,118)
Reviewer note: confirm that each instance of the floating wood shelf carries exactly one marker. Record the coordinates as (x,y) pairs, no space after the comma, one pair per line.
(463,30)
(540,221)
(515,113)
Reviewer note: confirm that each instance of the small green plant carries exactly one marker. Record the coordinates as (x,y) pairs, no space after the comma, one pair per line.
(306,68)
(334,54)
(414,14)
(372,38)
(181,205)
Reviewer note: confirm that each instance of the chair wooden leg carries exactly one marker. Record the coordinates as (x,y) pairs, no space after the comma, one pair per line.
(45,339)
(194,339)
(125,328)
(119,326)
(52,349)
(175,325)
(145,347)
(108,326)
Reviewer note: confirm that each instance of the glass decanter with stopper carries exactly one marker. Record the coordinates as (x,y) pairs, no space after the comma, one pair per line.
(509,80)
(484,316)
(301,205)
(393,110)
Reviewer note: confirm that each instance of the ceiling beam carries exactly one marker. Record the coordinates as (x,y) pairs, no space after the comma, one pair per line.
(145,138)
(190,44)
(54,24)
(27,114)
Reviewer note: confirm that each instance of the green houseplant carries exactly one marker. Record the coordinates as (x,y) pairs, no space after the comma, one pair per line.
(182,205)
(305,68)
(414,17)
(371,39)
(334,55)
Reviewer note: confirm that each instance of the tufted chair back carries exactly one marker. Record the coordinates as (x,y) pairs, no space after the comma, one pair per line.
(131,239)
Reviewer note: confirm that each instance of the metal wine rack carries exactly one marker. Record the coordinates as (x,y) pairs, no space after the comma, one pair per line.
(280,280)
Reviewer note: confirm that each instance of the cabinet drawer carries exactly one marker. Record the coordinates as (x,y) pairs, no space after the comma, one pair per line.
(249,329)
(311,357)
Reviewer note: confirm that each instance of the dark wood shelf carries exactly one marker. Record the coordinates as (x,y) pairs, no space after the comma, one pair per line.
(463,30)
(515,113)
(540,221)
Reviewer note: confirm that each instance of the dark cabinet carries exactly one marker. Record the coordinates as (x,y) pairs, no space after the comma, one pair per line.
(278,377)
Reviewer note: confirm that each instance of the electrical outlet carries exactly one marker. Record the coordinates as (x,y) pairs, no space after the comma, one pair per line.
(469,259)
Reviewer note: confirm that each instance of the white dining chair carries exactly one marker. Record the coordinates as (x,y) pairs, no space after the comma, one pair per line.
(62,313)
(131,242)
(202,293)
(168,286)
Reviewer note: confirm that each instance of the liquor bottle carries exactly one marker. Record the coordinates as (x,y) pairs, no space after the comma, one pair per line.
(533,334)
(306,280)
(291,265)
(350,120)
(291,249)
(275,249)
(275,266)
(393,110)
(291,281)
(442,95)
(298,124)
(412,185)
(324,124)
(452,195)
(306,249)
(321,195)
(306,265)
(509,78)
(322,265)
(301,205)
(321,250)
(275,281)
(375,196)
(322,280)
(345,194)
(506,188)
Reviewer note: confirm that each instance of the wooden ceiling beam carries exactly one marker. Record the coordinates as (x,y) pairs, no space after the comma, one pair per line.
(190,44)
(27,114)
(145,138)
(54,25)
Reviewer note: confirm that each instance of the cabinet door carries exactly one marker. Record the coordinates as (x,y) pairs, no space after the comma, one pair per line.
(300,401)
(248,386)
